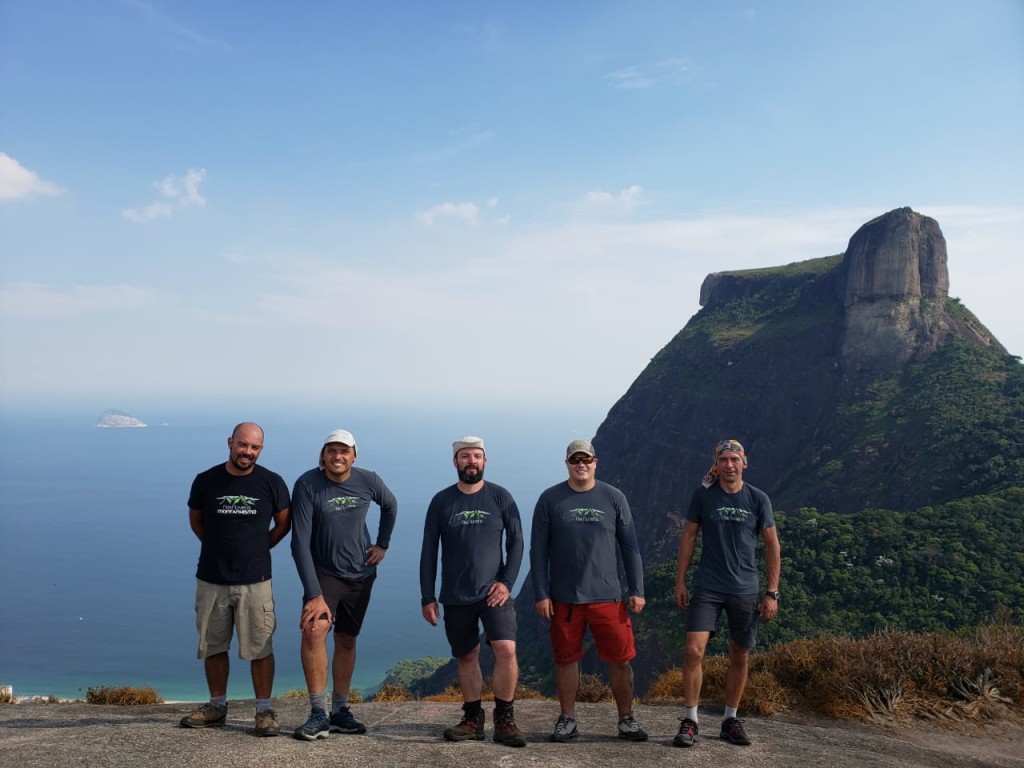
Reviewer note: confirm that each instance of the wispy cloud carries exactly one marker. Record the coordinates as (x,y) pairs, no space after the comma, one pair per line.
(642,76)
(175,28)
(626,199)
(19,183)
(468,212)
(38,301)
(176,193)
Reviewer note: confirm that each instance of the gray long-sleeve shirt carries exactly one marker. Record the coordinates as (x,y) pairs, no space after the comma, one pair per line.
(575,541)
(469,528)
(329,533)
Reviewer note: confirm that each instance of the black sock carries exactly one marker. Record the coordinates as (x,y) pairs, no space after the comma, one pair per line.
(471,708)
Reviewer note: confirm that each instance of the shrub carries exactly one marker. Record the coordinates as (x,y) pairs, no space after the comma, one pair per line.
(593,689)
(392,692)
(122,696)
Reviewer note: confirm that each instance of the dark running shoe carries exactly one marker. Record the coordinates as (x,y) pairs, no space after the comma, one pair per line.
(565,729)
(266,723)
(204,716)
(630,729)
(732,731)
(470,728)
(343,722)
(505,730)
(317,726)
(687,735)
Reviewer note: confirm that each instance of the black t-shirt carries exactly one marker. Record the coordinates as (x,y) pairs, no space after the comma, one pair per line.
(237,512)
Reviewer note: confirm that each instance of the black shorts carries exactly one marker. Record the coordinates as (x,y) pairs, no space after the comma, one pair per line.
(743,613)
(348,600)
(462,625)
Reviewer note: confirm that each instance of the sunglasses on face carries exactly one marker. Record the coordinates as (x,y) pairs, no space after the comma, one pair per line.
(580,460)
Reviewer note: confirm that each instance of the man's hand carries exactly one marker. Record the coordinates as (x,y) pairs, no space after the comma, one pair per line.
(497,595)
(545,609)
(682,596)
(314,610)
(375,554)
(432,612)
(769,607)
(636,603)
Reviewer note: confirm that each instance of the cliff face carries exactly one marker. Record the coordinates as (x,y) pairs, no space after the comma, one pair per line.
(854,382)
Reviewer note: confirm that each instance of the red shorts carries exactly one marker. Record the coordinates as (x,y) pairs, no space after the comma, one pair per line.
(609,624)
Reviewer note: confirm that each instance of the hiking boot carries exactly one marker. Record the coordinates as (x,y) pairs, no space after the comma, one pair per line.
(470,728)
(732,731)
(204,716)
(317,726)
(505,730)
(343,722)
(687,735)
(630,729)
(266,723)
(565,729)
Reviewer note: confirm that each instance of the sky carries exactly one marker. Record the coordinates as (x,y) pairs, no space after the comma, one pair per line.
(474,204)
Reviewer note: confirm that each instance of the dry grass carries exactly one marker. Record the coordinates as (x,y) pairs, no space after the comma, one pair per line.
(392,692)
(889,676)
(593,689)
(453,694)
(6,697)
(122,696)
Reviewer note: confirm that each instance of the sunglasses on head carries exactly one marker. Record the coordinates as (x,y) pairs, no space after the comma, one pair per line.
(580,459)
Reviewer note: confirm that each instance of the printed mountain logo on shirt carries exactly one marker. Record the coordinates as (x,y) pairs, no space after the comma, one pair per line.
(344,502)
(237,505)
(470,517)
(586,515)
(732,514)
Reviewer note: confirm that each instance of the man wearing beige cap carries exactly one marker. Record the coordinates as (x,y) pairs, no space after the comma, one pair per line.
(468,520)
(337,565)
(579,528)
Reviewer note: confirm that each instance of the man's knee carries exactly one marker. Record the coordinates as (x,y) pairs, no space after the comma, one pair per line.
(504,650)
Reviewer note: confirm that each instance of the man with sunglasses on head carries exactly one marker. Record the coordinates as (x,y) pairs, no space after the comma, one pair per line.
(580,528)
(731,514)
(469,520)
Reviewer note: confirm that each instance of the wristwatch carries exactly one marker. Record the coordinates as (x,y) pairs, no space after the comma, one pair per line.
(773,594)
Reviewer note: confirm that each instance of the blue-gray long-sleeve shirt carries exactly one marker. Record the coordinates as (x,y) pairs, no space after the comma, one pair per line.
(329,532)
(469,528)
(575,541)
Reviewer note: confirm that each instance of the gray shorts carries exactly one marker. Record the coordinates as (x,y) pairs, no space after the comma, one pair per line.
(221,608)
(462,625)
(743,613)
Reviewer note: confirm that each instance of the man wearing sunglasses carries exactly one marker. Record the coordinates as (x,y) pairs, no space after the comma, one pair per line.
(579,528)
(731,514)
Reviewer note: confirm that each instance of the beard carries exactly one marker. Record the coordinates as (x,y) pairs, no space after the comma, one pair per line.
(471,475)
(236,459)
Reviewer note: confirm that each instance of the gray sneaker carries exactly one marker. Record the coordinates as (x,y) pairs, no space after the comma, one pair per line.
(317,726)
(630,729)
(266,723)
(565,729)
(204,716)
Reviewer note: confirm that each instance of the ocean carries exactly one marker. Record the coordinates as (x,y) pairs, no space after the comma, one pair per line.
(97,560)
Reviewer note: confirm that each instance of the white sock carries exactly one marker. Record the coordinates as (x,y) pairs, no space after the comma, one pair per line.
(730,712)
(690,712)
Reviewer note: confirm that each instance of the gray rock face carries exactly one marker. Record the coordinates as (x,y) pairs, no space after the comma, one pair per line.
(894,286)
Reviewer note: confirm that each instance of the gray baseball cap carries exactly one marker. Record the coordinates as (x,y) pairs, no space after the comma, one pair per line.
(469,441)
(579,446)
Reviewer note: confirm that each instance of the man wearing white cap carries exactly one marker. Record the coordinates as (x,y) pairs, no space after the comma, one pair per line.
(337,565)
(468,521)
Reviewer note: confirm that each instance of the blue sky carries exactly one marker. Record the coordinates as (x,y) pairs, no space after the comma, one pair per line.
(466,202)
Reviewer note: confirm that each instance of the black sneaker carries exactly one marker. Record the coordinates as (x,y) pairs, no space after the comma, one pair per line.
(630,729)
(687,735)
(732,731)
(469,728)
(343,722)
(266,723)
(204,716)
(317,726)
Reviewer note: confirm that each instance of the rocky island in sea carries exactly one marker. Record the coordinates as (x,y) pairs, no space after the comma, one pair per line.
(118,419)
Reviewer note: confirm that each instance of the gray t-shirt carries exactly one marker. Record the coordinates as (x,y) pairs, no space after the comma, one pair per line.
(583,546)
(730,524)
(469,528)
(329,533)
